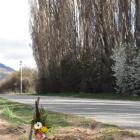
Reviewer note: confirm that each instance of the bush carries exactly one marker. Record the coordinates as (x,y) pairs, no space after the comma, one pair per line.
(12,81)
(83,74)
(126,69)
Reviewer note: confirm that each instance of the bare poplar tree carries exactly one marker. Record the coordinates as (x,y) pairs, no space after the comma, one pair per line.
(137,30)
(73,41)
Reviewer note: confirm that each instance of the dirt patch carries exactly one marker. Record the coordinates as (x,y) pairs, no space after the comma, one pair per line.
(68,133)
(11,133)
(90,134)
(75,134)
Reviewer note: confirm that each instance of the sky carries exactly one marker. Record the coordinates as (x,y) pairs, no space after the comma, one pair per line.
(15,42)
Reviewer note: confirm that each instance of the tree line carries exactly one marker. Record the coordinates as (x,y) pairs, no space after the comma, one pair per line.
(73,42)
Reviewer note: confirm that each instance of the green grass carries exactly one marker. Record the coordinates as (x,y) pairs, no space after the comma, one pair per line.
(104,96)
(14,112)
(8,112)
(19,114)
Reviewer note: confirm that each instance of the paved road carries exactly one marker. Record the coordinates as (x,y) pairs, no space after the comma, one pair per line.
(123,113)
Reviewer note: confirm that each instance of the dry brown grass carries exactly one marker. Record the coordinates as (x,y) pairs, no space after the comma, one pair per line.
(101,132)
(12,82)
(7,132)
(96,134)
(63,127)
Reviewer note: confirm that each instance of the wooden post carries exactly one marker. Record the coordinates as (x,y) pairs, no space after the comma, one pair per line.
(21,78)
(37,115)
(31,132)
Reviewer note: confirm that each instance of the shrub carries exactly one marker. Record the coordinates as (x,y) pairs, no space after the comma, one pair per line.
(126,69)
(12,81)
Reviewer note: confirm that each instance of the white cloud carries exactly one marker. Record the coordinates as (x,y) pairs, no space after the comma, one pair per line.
(13,51)
(14,17)
(14,33)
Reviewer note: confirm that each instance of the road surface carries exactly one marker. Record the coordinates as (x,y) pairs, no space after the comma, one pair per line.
(122,113)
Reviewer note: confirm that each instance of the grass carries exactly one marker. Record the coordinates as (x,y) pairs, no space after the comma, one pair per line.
(15,112)
(20,113)
(7,112)
(68,126)
(104,96)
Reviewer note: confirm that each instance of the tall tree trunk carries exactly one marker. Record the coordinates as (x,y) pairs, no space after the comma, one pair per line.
(76,37)
(137,31)
(125,21)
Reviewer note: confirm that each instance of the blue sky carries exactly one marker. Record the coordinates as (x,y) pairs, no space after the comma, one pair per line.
(14,34)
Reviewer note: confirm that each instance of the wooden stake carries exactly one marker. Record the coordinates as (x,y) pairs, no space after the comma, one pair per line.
(37,115)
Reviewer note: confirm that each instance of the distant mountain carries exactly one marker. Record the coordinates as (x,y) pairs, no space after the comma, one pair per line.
(5,70)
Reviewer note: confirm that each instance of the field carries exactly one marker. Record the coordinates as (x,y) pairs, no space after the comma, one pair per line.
(15,124)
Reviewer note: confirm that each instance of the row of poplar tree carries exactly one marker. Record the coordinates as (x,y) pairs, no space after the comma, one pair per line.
(76,43)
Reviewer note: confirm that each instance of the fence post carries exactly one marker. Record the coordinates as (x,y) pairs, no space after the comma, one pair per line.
(37,115)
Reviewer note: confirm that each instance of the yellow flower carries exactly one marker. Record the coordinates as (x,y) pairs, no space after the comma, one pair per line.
(44,129)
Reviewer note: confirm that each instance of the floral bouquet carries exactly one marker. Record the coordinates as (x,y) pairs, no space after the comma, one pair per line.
(39,128)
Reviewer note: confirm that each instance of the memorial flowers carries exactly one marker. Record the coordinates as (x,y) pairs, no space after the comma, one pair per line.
(39,131)
(39,127)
